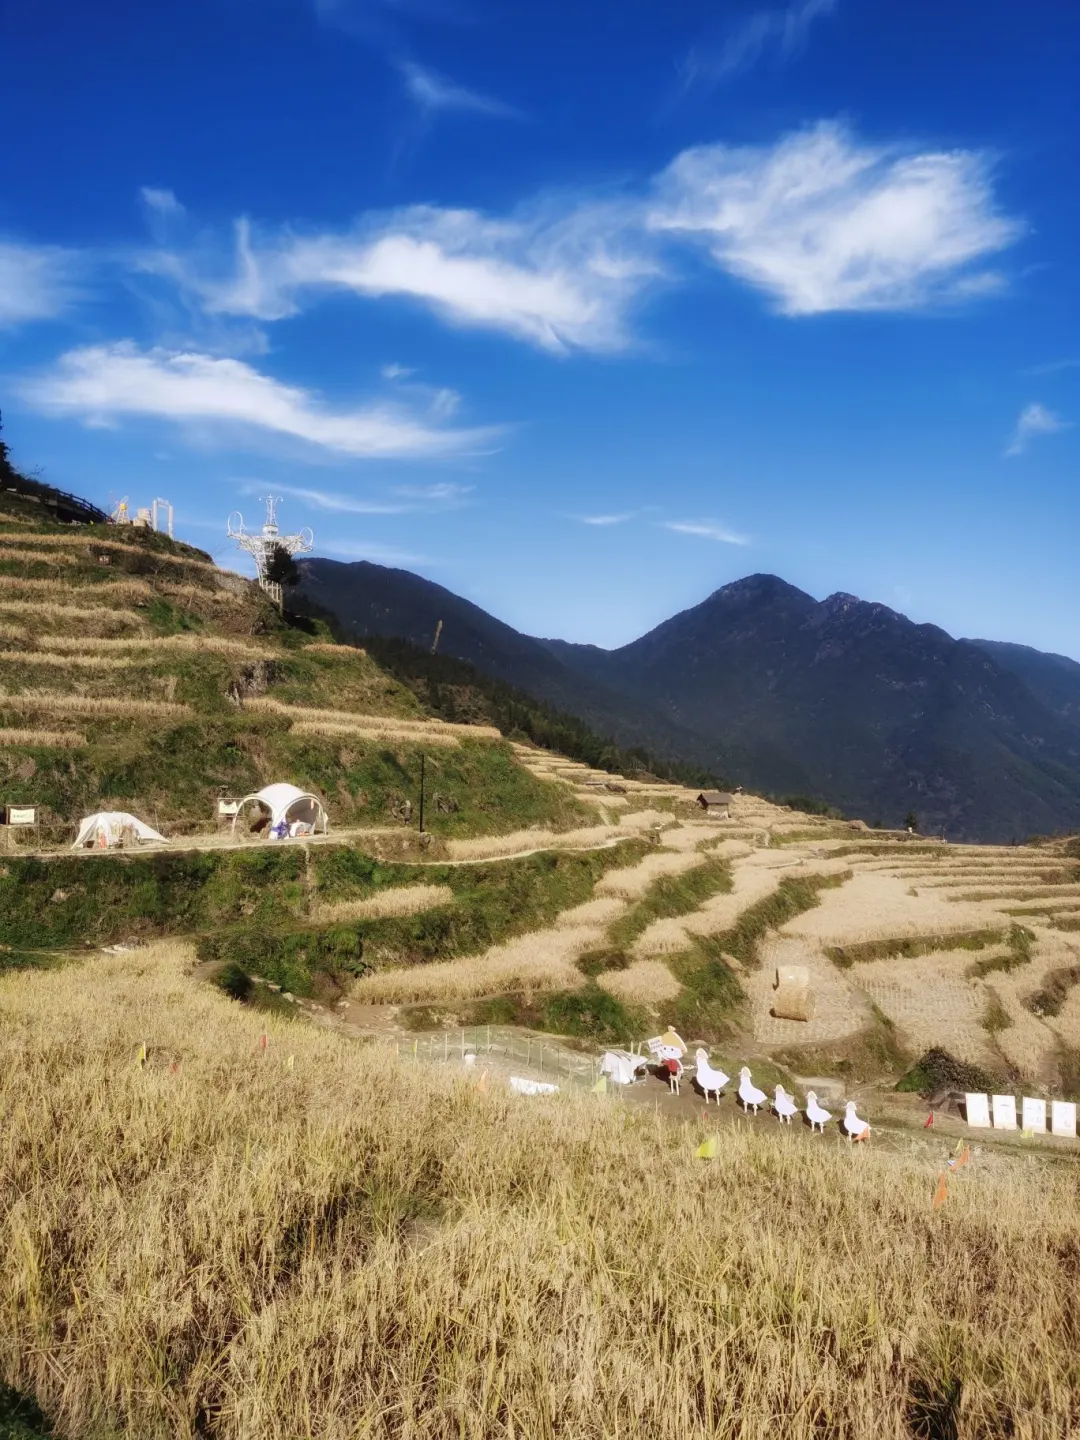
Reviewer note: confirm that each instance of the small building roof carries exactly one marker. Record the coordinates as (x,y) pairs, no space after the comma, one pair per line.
(715,797)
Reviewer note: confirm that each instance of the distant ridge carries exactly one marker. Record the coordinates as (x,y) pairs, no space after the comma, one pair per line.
(842,699)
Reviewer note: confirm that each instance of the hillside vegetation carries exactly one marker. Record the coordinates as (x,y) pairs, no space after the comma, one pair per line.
(135,674)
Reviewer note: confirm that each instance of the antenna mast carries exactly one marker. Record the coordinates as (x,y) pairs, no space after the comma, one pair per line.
(262,545)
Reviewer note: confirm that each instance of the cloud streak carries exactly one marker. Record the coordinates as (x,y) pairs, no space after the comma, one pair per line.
(434,92)
(707,530)
(781,32)
(559,278)
(105,382)
(36,282)
(821,222)
(1035,421)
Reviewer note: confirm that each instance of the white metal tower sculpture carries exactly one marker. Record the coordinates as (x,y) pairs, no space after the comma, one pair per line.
(263,544)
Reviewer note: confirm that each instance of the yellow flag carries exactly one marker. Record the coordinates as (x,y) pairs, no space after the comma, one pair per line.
(940,1193)
(708,1149)
(959,1147)
(600,1088)
(142,1053)
(290,1062)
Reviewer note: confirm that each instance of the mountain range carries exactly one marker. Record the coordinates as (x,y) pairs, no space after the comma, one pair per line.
(841,700)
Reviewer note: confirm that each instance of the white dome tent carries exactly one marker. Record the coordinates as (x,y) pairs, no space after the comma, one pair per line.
(110,828)
(291,811)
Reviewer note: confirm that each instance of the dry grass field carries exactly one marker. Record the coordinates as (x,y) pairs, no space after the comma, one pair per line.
(50,739)
(534,963)
(227,1243)
(397,900)
(46,702)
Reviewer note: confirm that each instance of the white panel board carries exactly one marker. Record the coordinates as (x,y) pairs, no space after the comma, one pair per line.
(1063,1118)
(1033,1113)
(977,1110)
(1004,1111)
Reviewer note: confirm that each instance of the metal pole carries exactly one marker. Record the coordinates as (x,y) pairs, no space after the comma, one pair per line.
(421,792)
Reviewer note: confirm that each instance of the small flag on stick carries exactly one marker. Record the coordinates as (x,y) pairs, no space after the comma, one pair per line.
(929,1121)
(290,1062)
(961,1145)
(708,1149)
(941,1193)
(142,1053)
(262,1041)
(483,1081)
(964,1156)
(600,1088)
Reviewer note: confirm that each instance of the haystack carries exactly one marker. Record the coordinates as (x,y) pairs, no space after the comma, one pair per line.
(792,999)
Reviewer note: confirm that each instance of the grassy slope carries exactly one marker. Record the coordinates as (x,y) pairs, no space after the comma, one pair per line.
(361,1246)
(172,768)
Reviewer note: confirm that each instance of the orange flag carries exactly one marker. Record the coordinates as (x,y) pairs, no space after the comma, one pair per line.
(483,1081)
(940,1193)
(965,1156)
(929,1121)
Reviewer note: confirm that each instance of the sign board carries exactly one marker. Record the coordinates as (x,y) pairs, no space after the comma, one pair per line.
(977,1110)
(1033,1115)
(226,809)
(1004,1111)
(22,814)
(1063,1118)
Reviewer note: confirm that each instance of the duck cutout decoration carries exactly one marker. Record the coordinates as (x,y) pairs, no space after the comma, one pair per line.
(749,1094)
(818,1117)
(855,1128)
(710,1081)
(784,1106)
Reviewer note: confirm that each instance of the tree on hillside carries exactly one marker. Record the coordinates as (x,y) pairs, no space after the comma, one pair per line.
(911,822)
(281,568)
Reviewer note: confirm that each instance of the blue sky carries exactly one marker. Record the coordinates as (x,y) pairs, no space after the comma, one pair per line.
(582,310)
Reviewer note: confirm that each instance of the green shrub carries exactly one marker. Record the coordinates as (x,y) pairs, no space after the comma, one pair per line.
(236,982)
(938,1070)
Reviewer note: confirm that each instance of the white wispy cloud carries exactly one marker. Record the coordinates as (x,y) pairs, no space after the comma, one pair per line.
(110,381)
(333,501)
(823,222)
(606,519)
(707,529)
(561,276)
(37,282)
(163,202)
(393,371)
(445,493)
(433,91)
(1035,420)
(820,221)
(1052,367)
(782,32)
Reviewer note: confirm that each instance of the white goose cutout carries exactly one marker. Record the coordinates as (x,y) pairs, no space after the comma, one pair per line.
(784,1106)
(818,1117)
(749,1094)
(710,1081)
(856,1129)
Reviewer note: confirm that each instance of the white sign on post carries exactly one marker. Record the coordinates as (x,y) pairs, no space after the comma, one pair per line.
(1034,1115)
(22,815)
(1004,1112)
(1063,1118)
(977,1110)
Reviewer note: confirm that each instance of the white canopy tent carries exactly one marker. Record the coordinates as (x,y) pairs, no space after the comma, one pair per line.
(110,828)
(292,811)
